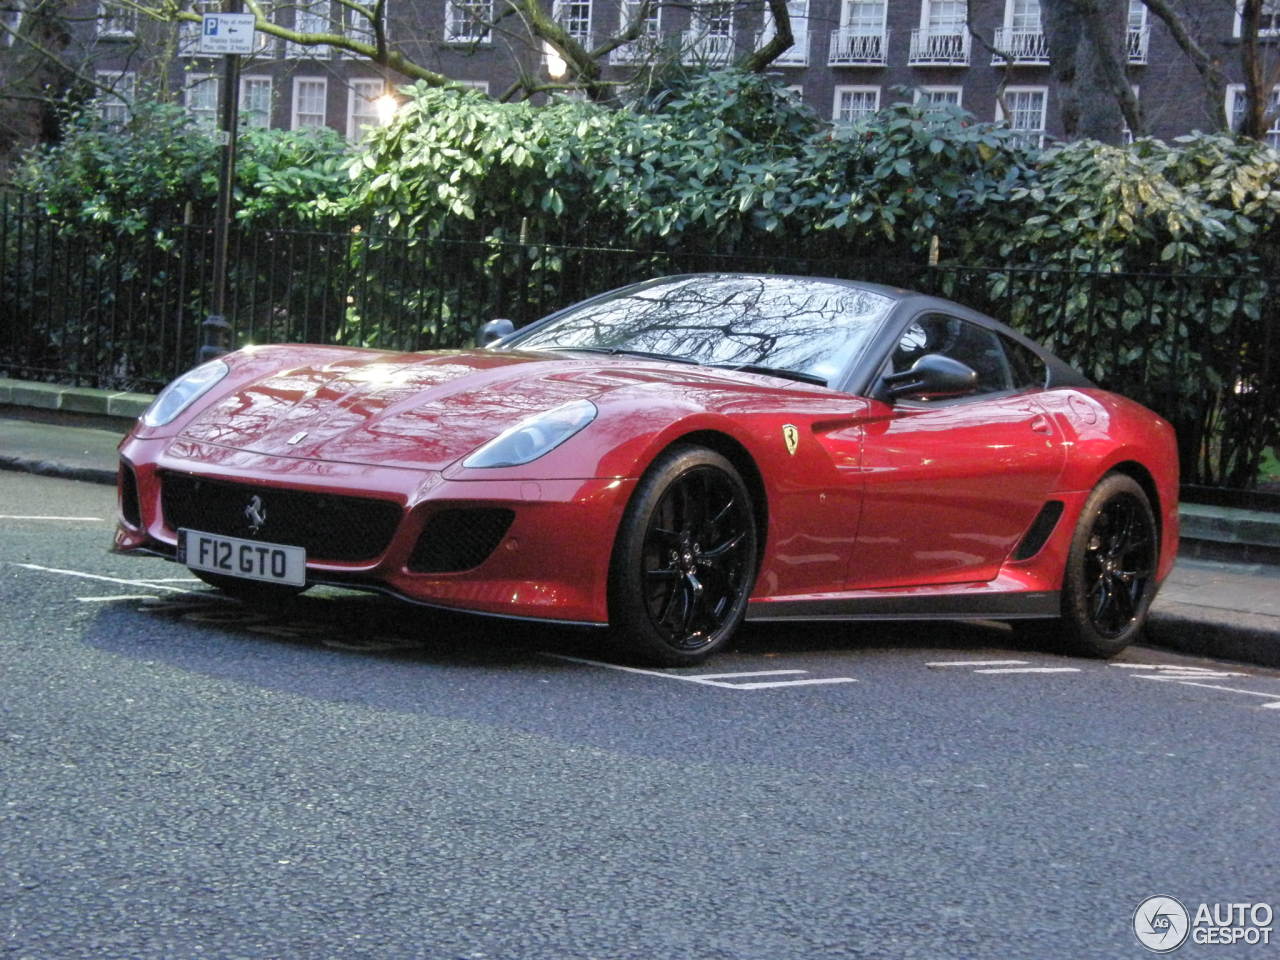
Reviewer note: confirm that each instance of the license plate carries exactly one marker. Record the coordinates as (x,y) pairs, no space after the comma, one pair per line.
(250,559)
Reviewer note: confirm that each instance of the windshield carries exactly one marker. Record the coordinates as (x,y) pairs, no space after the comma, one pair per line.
(812,327)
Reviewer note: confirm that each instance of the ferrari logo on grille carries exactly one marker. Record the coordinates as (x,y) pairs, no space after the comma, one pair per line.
(791,437)
(256,514)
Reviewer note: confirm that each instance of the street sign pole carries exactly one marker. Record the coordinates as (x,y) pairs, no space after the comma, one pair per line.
(216,339)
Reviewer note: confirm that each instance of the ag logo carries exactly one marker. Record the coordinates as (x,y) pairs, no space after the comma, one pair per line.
(791,437)
(256,514)
(1161,924)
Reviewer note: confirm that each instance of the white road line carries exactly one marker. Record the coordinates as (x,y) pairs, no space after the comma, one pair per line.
(1214,686)
(976,663)
(96,576)
(1032,670)
(19,516)
(1271,706)
(171,580)
(1173,677)
(706,679)
(123,596)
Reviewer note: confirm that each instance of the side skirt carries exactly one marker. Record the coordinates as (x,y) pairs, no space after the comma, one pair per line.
(1023,605)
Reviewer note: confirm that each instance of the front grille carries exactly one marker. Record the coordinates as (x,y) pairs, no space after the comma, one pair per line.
(329,526)
(455,540)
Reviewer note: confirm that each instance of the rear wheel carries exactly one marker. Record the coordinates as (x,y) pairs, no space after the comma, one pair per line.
(253,592)
(1109,580)
(685,559)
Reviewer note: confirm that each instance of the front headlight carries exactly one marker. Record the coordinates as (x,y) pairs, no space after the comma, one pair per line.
(184,391)
(534,437)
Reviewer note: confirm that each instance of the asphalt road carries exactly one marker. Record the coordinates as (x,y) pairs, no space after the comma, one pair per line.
(183,777)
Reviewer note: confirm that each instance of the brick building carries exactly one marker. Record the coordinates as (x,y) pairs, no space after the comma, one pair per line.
(849,58)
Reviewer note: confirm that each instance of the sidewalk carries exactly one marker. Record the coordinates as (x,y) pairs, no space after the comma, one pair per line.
(1206,608)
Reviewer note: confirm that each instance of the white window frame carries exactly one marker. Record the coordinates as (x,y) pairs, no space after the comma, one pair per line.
(124,84)
(356,26)
(362,91)
(13,20)
(577,27)
(249,118)
(641,49)
(924,91)
(311,16)
(116,22)
(455,15)
(1039,133)
(295,113)
(1237,27)
(202,82)
(837,95)
(797,55)
(1235,104)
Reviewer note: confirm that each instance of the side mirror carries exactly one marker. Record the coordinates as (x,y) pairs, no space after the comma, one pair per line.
(494,330)
(933,374)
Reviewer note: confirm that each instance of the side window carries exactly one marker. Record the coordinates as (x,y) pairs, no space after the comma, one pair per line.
(1025,364)
(971,344)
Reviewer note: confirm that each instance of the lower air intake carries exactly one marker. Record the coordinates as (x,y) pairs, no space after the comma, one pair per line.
(457,540)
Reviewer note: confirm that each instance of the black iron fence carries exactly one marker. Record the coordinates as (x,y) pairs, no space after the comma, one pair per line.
(91,307)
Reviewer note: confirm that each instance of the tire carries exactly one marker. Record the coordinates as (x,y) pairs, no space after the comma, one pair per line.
(1109,581)
(252,592)
(684,562)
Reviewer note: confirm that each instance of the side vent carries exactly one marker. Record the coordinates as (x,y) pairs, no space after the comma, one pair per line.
(1039,530)
(457,540)
(130,509)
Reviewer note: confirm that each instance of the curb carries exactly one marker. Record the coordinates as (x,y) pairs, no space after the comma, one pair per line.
(1249,638)
(48,468)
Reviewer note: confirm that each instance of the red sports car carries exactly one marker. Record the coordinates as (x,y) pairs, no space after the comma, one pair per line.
(670,458)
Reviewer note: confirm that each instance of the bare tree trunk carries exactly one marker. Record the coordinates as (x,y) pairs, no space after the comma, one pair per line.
(1209,68)
(1086,40)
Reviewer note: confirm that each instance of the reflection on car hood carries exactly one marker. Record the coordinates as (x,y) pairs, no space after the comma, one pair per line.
(419,410)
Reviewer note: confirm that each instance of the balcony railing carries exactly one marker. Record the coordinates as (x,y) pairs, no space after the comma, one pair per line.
(796,55)
(1136,44)
(935,48)
(699,46)
(851,48)
(641,50)
(1025,47)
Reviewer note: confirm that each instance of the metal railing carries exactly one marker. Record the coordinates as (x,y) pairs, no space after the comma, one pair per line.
(1021,47)
(852,48)
(941,49)
(101,309)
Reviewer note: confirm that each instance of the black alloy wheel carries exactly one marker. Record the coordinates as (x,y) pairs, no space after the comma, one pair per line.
(685,560)
(1110,578)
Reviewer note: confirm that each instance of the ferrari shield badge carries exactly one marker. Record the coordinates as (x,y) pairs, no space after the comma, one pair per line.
(791,437)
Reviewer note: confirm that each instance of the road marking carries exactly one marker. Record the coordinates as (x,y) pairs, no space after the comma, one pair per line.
(976,663)
(96,576)
(1271,706)
(1032,670)
(19,516)
(122,596)
(1215,686)
(713,679)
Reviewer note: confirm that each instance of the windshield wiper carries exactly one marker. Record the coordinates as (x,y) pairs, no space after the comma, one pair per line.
(774,372)
(624,352)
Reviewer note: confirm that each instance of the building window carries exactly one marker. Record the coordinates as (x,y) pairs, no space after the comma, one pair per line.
(10,21)
(852,104)
(862,38)
(575,17)
(1237,105)
(1026,113)
(1269,23)
(113,107)
(481,85)
(117,22)
(310,98)
(361,29)
(939,96)
(201,98)
(467,21)
(643,47)
(1138,33)
(797,55)
(942,38)
(1021,39)
(709,39)
(255,101)
(312,17)
(362,112)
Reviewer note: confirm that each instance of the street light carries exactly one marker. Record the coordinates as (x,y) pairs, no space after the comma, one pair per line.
(556,65)
(386,106)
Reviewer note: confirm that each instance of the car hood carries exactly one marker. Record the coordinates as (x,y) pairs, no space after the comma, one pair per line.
(419,410)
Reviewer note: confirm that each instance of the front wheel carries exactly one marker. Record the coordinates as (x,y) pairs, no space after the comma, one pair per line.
(685,559)
(1109,581)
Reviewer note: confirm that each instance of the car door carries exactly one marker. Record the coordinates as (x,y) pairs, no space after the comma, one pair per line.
(951,483)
